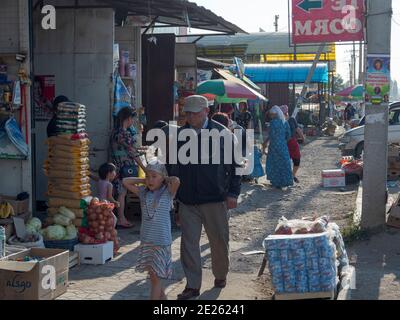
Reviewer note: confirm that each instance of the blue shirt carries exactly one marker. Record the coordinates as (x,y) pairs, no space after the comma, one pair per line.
(156,221)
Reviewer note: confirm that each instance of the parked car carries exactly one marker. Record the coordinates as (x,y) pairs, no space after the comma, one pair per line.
(352,142)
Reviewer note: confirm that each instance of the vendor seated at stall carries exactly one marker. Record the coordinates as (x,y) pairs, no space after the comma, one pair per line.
(52,126)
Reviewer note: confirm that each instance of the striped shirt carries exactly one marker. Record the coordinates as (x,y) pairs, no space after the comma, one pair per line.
(156,221)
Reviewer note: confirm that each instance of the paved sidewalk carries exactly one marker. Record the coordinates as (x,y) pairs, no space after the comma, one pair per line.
(377,263)
(117,280)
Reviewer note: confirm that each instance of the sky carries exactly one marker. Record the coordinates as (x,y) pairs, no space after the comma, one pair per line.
(251,15)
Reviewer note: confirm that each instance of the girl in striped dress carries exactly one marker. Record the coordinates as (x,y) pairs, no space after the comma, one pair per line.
(156,199)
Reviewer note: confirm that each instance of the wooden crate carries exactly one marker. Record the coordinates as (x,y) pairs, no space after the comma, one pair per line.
(73,259)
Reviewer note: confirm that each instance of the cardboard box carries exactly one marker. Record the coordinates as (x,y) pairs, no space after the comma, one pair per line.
(334,178)
(33,280)
(19,206)
(95,254)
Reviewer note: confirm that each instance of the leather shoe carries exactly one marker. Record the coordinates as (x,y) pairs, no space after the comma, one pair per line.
(188,294)
(219,283)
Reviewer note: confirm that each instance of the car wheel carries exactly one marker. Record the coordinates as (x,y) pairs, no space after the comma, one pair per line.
(359,150)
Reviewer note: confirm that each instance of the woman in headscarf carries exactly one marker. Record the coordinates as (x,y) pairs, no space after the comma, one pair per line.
(279,167)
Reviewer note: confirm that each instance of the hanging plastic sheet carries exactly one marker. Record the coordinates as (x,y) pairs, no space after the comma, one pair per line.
(122,96)
(15,135)
(8,149)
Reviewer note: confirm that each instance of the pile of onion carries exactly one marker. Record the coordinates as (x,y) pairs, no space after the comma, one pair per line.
(101,222)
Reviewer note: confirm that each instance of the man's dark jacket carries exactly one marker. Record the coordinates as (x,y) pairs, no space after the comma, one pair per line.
(207,183)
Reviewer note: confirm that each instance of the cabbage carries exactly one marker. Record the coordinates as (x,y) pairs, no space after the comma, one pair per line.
(67,213)
(62,220)
(33,225)
(72,233)
(31,229)
(56,232)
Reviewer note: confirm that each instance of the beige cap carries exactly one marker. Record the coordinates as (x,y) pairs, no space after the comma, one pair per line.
(195,104)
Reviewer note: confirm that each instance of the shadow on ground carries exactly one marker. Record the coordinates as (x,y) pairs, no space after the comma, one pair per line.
(377,264)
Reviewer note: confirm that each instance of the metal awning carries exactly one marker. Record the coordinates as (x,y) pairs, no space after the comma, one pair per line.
(203,63)
(229,76)
(259,43)
(286,73)
(176,13)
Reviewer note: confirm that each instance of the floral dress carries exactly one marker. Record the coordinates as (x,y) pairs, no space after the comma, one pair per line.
(123,153)
(279,166)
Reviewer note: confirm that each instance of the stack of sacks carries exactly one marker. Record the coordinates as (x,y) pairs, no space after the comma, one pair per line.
(67,166)
(71,118)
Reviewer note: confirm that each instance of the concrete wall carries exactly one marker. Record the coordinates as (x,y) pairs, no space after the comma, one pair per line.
(80,55)
(14,38)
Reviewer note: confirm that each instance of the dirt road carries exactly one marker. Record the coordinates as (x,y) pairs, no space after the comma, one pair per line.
(261,206)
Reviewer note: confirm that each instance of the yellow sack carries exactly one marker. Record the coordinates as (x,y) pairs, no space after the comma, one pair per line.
(68,155)
(73,149)
(67,174)
(53,211)
(59,202)
(65,167)
(68,148)
(68,194)
(69,187)
(61,161)
(66,141)
(76,182)
(77,222)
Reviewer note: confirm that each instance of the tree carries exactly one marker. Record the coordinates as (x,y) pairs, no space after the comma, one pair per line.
(338,84)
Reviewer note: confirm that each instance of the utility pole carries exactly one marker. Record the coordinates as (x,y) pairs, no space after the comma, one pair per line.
(376,128)
(360,64)
(354,62)
(351,74)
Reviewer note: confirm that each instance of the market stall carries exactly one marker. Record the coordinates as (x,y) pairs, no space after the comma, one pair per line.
(14,139)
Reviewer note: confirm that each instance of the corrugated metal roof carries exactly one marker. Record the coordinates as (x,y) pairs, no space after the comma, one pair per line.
(285,73)
(256,43)
(177,13)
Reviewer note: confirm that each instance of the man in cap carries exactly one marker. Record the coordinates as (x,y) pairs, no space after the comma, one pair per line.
(207,192)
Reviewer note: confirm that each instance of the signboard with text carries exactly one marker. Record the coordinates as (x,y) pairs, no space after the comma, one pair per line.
(327,21)
(378,79)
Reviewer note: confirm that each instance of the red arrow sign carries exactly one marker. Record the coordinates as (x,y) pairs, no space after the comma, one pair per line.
(335,21)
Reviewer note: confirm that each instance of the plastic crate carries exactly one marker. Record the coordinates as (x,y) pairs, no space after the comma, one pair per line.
(61,244)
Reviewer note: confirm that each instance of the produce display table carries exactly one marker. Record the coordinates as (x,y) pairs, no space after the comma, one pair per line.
(306,259)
